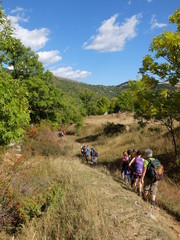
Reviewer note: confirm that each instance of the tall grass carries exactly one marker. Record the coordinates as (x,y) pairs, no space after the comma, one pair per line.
(154,136)
(49,194)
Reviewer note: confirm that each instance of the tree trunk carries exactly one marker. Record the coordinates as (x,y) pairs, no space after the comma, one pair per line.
(174,142)
(169,126)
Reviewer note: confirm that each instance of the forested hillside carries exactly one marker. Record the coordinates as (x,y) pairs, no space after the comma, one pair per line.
(74,88)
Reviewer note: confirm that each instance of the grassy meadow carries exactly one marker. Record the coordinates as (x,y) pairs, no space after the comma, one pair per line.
(49,192)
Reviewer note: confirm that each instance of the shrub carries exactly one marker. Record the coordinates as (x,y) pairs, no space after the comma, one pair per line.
(27,189)
(112,128)
(41,140)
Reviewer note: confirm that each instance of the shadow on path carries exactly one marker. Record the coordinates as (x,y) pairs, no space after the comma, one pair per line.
(114,166)
(90,138)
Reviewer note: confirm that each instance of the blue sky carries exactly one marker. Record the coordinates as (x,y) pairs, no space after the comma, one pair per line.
(91,41)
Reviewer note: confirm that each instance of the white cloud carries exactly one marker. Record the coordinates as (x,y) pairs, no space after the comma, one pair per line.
(19,14)
(149,1)
(17,9)
(111,36)
(68,72)
(35,39)
(155,24)
(49,57)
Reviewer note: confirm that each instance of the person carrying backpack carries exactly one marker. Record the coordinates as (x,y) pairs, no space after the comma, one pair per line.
(94,157)
(131,167)
(123,164)
(83,149)
(91,153)
(138,162)
(152,172)
(87,153)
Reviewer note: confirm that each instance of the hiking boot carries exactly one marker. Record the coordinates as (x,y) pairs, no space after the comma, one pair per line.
(145,199)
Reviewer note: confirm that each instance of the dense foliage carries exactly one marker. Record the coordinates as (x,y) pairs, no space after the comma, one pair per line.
(160,104)
(14,114)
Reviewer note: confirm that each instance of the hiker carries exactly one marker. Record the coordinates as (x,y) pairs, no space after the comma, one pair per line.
(131,167)
(123,164)
(94,157)
(127,169)
(91,153)
(149,185)
(61,134)
(138,162)
(87,153)
(83,149)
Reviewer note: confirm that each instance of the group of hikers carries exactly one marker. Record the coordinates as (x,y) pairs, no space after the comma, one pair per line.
(142,172)
(89,152)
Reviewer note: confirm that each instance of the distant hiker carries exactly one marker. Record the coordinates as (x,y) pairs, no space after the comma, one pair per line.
(94,157)
(138,162)
(123,164)
(91,153)
(87,153)
(83,149)
(61,134)
(149,184)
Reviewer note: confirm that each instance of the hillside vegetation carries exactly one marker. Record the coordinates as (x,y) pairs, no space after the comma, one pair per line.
(56,195)
(74,88)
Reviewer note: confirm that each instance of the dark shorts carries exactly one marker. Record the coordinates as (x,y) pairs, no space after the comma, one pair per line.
(136,176)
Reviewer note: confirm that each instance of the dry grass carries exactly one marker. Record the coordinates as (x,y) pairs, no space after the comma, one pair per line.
(124,118)
(111,149)
(95,203)
(94,206)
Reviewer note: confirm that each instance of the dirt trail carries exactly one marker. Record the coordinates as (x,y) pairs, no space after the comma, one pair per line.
(124,212)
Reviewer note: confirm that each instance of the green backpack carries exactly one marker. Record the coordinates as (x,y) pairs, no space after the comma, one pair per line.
(155,170)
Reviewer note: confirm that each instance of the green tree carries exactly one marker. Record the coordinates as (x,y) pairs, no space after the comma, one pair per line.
(44,100)
(163,65)
(157,104)
(14,113)
(103,105)
(6,40)
(23,61)
(86,98)
(125,101)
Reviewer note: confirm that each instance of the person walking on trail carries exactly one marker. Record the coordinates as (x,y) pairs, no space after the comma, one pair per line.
(94,157)
(127,170)
(138,162)
(123,164)
(83,149)
(91,153)
(87,153)
(149,185)
(131,167)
